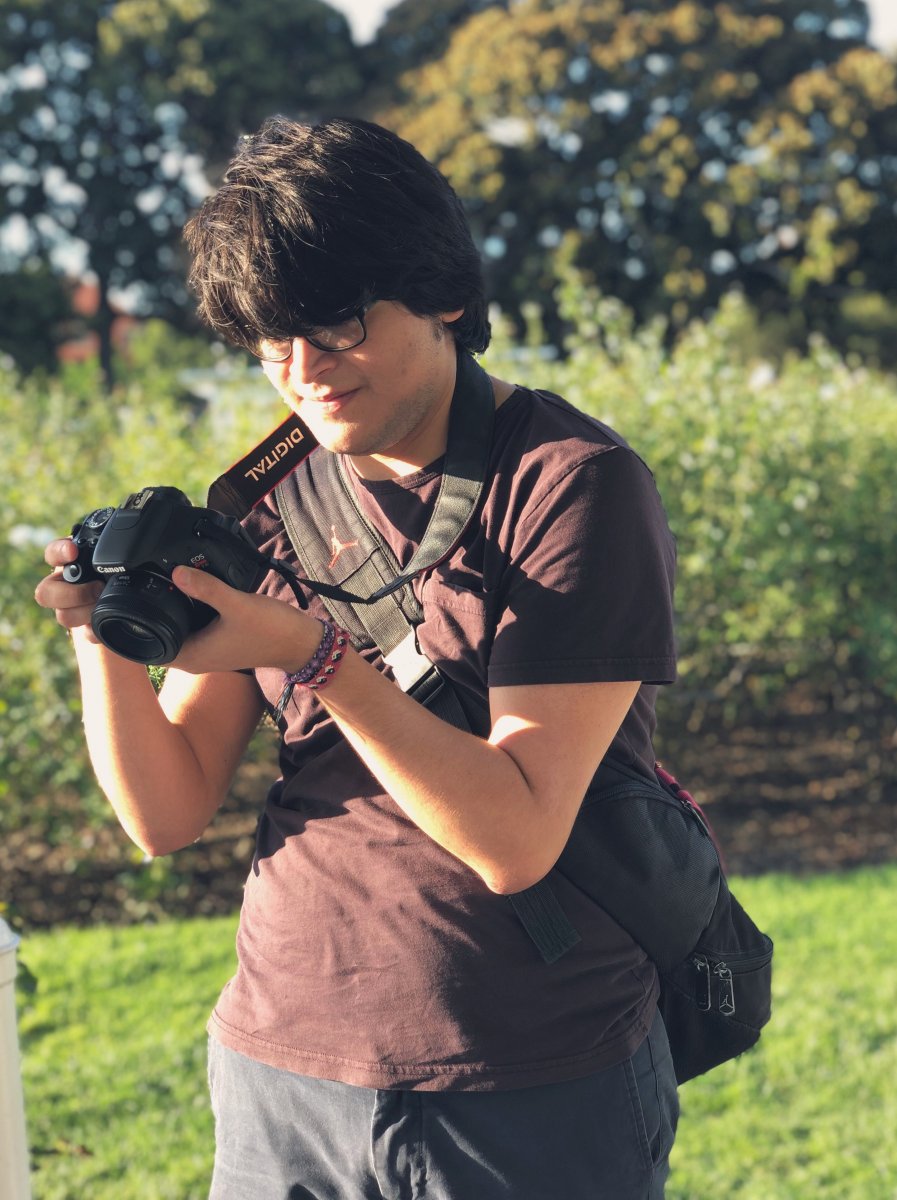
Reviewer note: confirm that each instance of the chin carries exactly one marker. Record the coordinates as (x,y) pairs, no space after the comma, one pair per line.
(339,440)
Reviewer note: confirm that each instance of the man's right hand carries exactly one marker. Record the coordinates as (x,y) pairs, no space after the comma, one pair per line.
(166,782)
(73,602)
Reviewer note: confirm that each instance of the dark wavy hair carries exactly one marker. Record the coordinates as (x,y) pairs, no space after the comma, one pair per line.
(313,221)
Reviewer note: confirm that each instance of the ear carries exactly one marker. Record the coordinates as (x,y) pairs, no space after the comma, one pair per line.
(449,317)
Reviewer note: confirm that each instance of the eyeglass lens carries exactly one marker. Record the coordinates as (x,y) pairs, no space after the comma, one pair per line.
(344,336)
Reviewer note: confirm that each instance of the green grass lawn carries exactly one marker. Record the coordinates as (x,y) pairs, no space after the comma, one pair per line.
(114,1057)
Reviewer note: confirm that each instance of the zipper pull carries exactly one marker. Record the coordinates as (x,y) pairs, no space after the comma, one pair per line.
(702,993)
(726,990)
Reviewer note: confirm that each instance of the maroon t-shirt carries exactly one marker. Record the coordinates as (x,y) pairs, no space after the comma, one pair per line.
(369,954)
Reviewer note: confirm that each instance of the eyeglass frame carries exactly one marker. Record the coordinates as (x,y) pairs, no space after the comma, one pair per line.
(313,341)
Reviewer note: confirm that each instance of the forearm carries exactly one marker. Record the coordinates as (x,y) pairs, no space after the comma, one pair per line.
(503,805)
(143,763)
(466,793)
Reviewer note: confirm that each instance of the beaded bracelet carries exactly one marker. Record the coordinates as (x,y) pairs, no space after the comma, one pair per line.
(320,668)
(317,660)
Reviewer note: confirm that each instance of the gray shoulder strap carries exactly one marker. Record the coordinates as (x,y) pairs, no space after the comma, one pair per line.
(318,509)
(353,569)
(463,476)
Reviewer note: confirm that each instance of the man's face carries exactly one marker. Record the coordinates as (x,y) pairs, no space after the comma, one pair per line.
(387,397)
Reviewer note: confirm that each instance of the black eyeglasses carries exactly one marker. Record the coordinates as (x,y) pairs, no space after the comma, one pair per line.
(345,335)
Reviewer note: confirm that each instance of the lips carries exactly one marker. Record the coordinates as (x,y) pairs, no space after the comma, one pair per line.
(331,400)
(332,397)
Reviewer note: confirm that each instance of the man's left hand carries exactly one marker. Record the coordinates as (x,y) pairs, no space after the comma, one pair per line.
(251,630)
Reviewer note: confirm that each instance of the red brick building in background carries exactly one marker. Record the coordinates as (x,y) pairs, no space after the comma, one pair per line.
(80,342)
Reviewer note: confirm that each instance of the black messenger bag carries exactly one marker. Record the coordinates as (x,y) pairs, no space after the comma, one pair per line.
(643,851)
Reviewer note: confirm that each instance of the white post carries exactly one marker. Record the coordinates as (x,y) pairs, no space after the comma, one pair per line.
(15,1182)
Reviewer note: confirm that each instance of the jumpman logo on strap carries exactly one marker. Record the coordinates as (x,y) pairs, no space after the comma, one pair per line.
(337,547)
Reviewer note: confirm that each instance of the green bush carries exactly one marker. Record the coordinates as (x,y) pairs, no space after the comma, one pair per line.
(779,485)
(69,449)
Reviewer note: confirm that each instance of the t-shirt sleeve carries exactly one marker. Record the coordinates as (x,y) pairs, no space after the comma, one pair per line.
(587,595)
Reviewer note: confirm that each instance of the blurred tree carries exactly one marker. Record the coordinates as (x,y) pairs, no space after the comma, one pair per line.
(89,165)
(104,108)
(674,147)
(231,65)
(34,302)
(830,204)
(413,34)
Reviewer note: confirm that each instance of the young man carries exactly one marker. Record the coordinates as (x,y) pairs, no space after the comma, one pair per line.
(391,1030)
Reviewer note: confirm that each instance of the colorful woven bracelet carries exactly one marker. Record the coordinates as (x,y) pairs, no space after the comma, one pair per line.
(337,654)
(319,669)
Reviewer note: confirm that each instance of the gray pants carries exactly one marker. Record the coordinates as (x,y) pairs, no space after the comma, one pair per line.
(282,1136)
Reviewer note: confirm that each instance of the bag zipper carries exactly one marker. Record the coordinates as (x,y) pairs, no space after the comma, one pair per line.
(702,995)
(708,969)
(725,991)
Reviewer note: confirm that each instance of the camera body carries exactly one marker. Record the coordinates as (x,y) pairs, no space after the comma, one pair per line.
(140,614)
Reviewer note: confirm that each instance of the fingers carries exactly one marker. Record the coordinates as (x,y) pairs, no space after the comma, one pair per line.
(73,599)
(251,630)
(72,618)
(200,585)
(73,603)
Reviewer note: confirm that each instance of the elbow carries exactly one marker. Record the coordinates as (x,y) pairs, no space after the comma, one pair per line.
(506,879)
(158,842)
(154,845)
(156,833)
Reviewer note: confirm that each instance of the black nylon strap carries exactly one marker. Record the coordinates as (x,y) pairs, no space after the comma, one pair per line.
(311,507)
(466,459)
(541,915)
(387,622)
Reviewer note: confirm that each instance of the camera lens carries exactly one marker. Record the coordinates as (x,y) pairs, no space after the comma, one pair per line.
(138,642)
(143,617)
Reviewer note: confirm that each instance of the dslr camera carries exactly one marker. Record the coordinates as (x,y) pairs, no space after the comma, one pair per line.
(140,614)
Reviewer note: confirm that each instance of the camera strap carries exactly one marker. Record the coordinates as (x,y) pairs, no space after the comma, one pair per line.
(252,477)
(346,561)
(271,464)
(310,499)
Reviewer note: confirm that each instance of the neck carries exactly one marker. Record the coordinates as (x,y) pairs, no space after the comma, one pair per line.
(424,442)
(414,453)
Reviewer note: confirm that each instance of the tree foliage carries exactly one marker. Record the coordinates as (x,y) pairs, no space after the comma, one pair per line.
(682,147)
(33,304)
(105,108)
(87,159)
(413,34)
(674,148)
(231,65)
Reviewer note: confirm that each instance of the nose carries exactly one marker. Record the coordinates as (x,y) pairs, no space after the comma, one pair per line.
(306,361)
